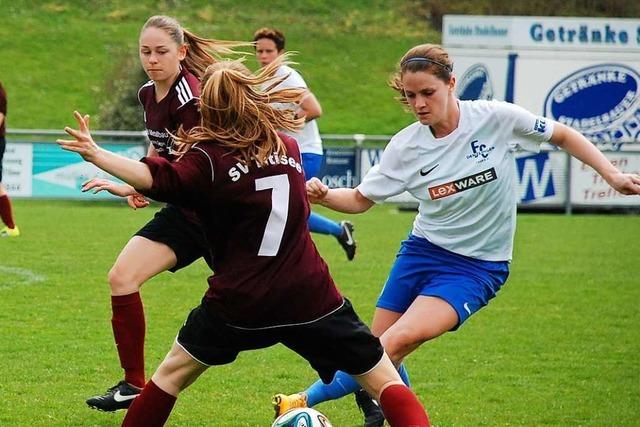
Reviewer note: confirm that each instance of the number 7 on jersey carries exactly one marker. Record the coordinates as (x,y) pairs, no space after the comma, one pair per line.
(279,211)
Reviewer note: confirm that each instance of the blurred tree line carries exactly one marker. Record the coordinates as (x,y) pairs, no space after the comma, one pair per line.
(434,10)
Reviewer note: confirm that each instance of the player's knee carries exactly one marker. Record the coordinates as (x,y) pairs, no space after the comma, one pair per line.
(122,281)
(399,343)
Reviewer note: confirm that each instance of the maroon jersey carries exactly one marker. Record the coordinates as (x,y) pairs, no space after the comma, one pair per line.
(3,110)
(268,270)
(178,107)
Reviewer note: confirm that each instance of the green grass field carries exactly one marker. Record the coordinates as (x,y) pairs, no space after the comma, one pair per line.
(559,346)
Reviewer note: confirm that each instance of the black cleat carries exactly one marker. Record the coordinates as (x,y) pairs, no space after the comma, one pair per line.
(117,397)
(346,239)
(373,416)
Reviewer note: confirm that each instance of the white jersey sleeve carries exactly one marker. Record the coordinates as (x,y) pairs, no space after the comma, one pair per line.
(529,130)
(293,80)
(308,138)
(390,176)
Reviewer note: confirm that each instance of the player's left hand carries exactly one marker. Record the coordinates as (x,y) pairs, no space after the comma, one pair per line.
(101,184)
(137,201)
(625,183)
(83,143)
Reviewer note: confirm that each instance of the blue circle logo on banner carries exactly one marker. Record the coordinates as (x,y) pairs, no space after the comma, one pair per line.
(600,101)
(475,84)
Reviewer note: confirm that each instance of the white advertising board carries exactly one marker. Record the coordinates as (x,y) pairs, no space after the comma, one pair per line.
(541,32)
(589,189)
(16,169)
(594,94)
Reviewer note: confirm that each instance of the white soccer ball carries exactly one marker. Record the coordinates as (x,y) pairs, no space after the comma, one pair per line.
(301,417)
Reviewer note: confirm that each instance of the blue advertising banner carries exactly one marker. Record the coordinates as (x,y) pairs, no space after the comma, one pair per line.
(339,167)
(58,173)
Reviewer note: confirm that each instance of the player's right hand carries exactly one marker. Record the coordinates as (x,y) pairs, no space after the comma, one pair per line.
(83,143)
(316,190)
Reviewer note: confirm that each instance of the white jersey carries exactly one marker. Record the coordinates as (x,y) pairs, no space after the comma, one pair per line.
(465,181)
(309,137)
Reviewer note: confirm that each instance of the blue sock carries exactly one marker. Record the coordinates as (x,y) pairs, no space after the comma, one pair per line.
(341,385)
(322,225)
(404,375)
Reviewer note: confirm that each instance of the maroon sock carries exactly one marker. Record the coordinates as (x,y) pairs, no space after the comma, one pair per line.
(151,408)
(5,211)
(401,407)
(128,330)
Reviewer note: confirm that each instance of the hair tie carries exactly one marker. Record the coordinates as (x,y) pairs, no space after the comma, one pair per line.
(425,59)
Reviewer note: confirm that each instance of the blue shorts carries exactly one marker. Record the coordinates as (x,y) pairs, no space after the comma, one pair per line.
(311,164)
(422,268)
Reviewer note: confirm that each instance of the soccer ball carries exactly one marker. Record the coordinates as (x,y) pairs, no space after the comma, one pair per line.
(301,417)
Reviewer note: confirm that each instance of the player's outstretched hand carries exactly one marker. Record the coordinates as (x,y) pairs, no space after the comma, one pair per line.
(316,190)
(83,143)
(134,199)
(101,184)
(137,201)
(626,183)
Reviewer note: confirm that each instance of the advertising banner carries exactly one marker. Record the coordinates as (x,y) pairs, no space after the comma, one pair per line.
(541,32)
(44,170)
(16,169)
(339,167)
(583,72)
(589,189)
(542,178)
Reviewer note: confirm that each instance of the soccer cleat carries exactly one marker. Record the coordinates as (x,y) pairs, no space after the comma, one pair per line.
(373,416)
(283,403)
(10,232)
(117,397)
(346,239)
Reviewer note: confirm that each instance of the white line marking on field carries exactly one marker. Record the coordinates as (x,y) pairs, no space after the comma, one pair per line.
(12,276)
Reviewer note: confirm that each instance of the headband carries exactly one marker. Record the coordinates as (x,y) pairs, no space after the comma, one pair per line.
(425,59)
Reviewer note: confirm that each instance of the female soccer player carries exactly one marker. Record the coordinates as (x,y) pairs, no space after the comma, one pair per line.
(245,182)
(269,44)
(174,59)
(6,213)
(458,161)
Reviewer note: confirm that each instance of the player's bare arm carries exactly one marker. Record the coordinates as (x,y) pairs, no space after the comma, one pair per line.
(581,148)
(310,106)
(134,199)
(346,200)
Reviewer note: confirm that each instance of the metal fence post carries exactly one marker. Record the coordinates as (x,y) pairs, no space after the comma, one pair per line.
(567,182)
(359,139)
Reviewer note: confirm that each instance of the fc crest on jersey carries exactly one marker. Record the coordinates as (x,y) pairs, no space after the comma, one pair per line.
(479,151)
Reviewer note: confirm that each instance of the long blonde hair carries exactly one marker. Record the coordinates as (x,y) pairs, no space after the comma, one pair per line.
(239,114)
(201,52)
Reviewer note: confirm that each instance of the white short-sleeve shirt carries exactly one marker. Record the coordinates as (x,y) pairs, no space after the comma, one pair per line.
(309,137)
(465,181)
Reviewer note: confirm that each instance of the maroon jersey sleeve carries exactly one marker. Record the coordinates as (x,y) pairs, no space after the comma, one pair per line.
(189,115)
(3,110)
(3,101)
(180,182)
